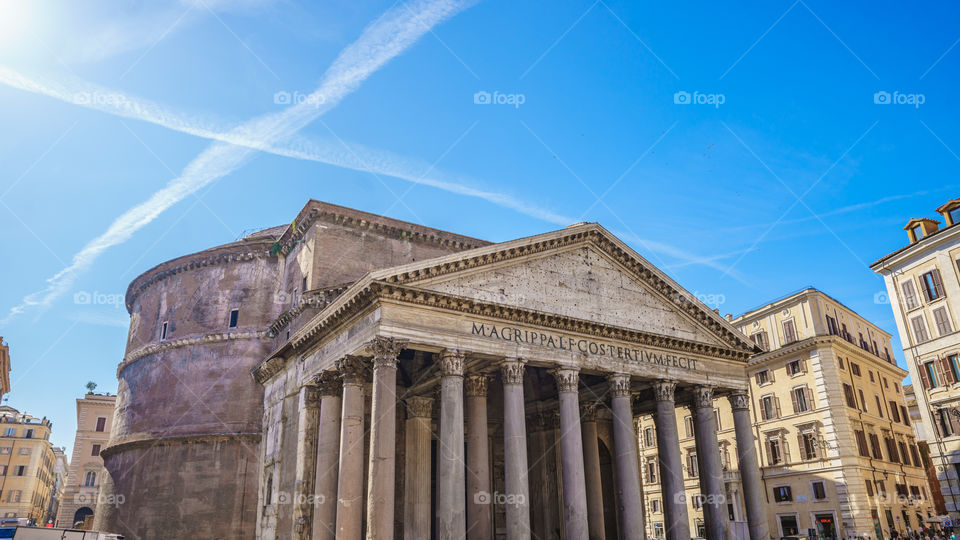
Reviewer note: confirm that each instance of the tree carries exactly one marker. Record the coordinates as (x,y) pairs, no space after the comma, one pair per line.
(91,386)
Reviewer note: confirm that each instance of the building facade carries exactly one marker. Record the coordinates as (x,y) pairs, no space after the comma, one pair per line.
(495,391)
(60,467)
(86,472)
(27,464)
(198,325)
(4,368)
(923,285)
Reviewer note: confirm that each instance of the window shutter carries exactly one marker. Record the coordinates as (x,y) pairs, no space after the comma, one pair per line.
(776,401)
(763,410)
(908,297)
(924,378)
(786,451)
(793,397)
(809,393)
(937,284)
(769,449)
(946,370)
(803,365)
(757,376)
(803,448)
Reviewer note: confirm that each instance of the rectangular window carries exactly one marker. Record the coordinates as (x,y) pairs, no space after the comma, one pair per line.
(655,505)
(863,402)
(234,317)
(848,394)
(782,494)
(304,284)
(652,470)
(861,443)
(879,405)
(649,441)
(3,470)
(808,445)
(688,426)
(870,373)
(931,380)
(894,411)
(932,286)
(11,432)
(693,468)
(819,491)
(953,364)
(942,321)
(904,454)
(875,446)
(801,399)
(101,424)
(163,331)
(768,408)
(832,326)
(855,368)
(775,451)
(20,470)
(915,453)
(760,339)
(763,377)
(95,451)
(892,454)
(28,434)
(840,363)
(789,332)
(869,489)
(919,329)
(795,367)
(905,415)
(25,451)
(909,294)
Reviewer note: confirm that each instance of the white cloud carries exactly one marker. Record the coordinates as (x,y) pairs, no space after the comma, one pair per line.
(381,41)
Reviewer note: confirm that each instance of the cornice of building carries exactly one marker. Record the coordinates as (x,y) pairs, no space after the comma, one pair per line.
(804,345)
(154,348)
(928,244)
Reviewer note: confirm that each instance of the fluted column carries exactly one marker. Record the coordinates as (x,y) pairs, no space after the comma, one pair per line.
(353,369)
(383,439)
(451,508)
(625,447)
(708,458)
(328,449)
(308,411)
(571,454)
(479,508)
(591,470)
(676,521)
(749,467)
(416,499)
(516,473)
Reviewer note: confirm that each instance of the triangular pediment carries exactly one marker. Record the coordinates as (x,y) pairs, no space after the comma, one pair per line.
(583,273)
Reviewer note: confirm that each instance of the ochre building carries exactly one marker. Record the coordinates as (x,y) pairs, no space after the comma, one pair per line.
(923,283)
(85,473)
(27,466)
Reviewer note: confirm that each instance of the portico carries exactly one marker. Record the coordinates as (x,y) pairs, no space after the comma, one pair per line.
(492,394)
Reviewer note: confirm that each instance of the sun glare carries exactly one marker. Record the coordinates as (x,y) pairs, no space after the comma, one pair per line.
(14,21)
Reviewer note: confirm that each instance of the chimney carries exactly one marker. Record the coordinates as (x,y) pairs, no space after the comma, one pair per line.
(919,228)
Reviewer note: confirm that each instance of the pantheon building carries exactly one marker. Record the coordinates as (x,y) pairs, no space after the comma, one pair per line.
(354,376)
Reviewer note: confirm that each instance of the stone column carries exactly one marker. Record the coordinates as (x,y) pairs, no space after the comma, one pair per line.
(451,486)
(625,447)
(591,470)
(676,521)
(479,504)
(516,472)
(571,454)
(353,369)
(749,466)
(708,458)
(416,499)
(328,448)
(383,439)
(308,410)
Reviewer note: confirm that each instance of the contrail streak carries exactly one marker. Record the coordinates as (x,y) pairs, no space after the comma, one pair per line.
(391,34)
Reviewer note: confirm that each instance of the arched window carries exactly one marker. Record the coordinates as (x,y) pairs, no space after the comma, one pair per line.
(90,480)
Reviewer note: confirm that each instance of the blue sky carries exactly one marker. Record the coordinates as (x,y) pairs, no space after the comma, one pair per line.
(782,171)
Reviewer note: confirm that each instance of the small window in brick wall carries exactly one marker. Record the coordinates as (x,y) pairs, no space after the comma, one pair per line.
(234,317)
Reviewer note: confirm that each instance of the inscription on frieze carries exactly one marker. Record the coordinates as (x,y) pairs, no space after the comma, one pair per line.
(580,345)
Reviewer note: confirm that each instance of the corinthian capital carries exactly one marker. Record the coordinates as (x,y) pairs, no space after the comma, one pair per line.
(703,397)
(664,390)
(739,401)
(419,407)
(476,385)
(328,383)
(451,363)
(353,369)
(568,379)
(619,384)
(385,350)
(511,371)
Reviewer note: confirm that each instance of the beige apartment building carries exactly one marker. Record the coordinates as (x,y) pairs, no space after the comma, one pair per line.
(837,451)
(4,368)
(82,488)
(924,290)
(27,465)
